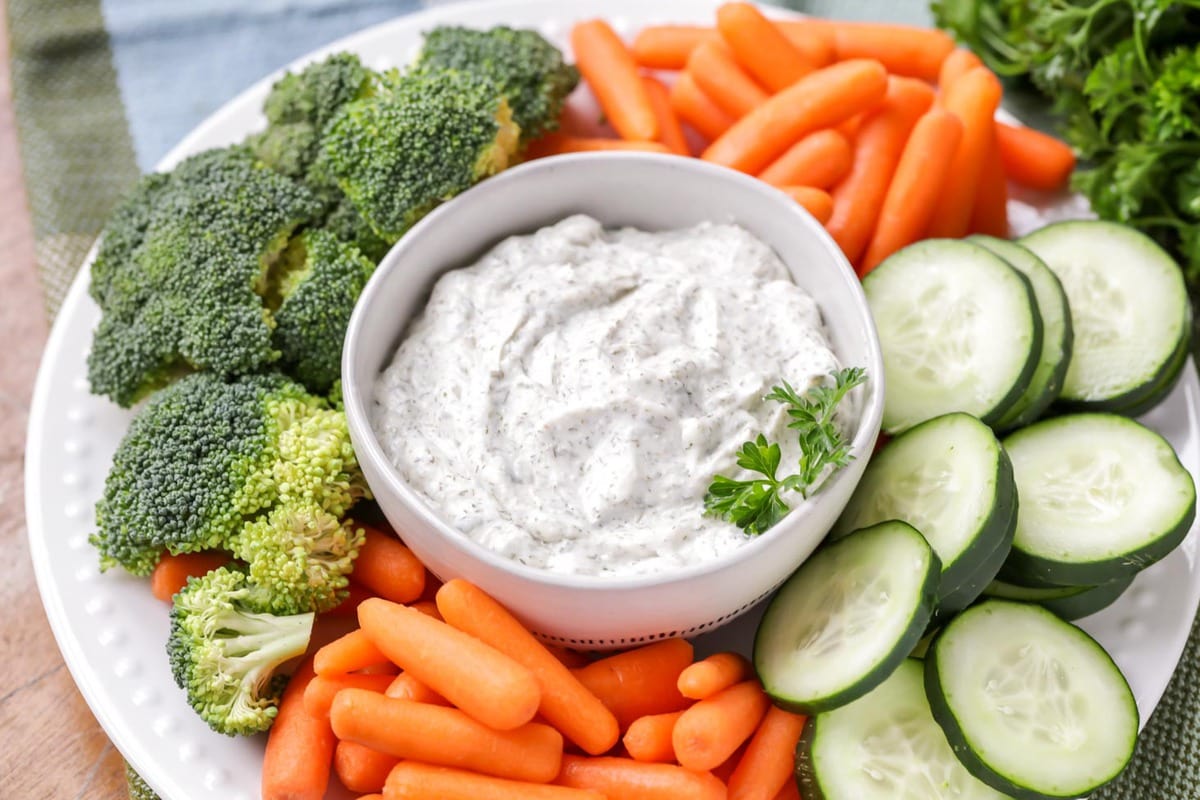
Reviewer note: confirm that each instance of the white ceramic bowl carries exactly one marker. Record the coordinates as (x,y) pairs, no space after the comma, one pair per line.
(651,192)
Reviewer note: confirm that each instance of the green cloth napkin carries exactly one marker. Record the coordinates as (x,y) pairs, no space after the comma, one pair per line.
(79,157)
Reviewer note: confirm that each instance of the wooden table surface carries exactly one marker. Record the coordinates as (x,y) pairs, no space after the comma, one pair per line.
(51,747)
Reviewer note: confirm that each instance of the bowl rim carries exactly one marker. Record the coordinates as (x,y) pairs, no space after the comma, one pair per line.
(368,447)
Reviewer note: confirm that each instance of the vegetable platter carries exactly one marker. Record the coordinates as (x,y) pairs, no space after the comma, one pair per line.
(111,629)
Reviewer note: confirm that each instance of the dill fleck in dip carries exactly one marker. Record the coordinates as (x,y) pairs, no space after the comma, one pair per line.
(566,400)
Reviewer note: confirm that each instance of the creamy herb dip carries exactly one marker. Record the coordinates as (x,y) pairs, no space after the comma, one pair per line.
(566,400)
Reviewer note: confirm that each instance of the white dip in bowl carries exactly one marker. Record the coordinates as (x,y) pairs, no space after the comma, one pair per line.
(566,400)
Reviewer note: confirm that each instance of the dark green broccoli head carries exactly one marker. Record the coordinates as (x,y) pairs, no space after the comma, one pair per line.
(347,223)
(136,785)
(207,456)
(181,270)
(420,140)
(318,291)
(225,648)
(528,69)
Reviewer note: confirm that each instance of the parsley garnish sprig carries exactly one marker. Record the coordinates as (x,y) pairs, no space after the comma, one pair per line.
(755,505)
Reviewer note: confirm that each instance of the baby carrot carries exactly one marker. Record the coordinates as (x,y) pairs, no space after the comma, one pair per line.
(566,703)
(814,41)
(760,47)
(697,109)
(821,99)
(482,681)
(668,46)
(349,607)
(1032,158)
(974,99)
(361,769)
(388,568)
(573,659)
(790,791)
(428,608)
(299,747)
(350,653)
(724,771)
(712,729)
(412,781)
(446,736)
(649,738)
(612,74)
(913,192)
(767,766)
(670,134)
(555,144)
(989,212)
(820,160)
(815,201)
(639,682)
(902,49)
(858,199)
(171,573)
(713,674)
(958,63)
(406,687)
(372,796)
(632,780)
(319,694)
(723,80)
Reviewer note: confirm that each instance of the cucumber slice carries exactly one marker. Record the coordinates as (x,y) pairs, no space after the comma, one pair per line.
(1068,602)
(1102,497)
(1057,334)
(1031,705)
(846,618)
(959,329)
(885,746)
(1129,307)
(951,480)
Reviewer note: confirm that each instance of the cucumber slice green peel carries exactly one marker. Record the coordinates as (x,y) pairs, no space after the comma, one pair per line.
(1031,705)
(1068,602)
(846,618)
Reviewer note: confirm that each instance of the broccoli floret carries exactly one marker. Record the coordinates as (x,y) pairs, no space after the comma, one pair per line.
(207,456)
(346,222)
(322,281)
(181,270)
(225,647)
(421,139)
(528,69)
(136,785)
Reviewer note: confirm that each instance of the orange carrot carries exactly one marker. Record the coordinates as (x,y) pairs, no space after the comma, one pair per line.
(319,694)
(355,595)
(849,128)
(351,653)
(989,212)
(726,768)
(958,63)
(697,109)
(902,49)
(1032,158)
(412,781)
(633,780)
(820,160)
(649,738)
(819,100)
(814,41)
(639,682)
(766,768)
(566,703)
(388,568)
(712,729)
(668,46)
(446,736)
(918,180)
(372,796)
(361,769)
(670,133)
(299,748)
(790,791)
(406,687)
(974,99)
(714,674)
(723,80)
(612,74)
(877,149)
(760,47)
(556,144)
(428,608)
(817,202)
(171,573)
(477,678)
(572,659)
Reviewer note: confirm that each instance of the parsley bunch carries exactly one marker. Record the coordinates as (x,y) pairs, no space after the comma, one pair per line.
(755,505)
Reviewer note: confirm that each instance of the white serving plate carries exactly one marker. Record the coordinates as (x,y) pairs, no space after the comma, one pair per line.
(111,630)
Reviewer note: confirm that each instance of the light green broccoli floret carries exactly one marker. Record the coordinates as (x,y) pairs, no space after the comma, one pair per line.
(529,71)
(181,270)
(317,293)
(136,785)
(225,647)
(420,140)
